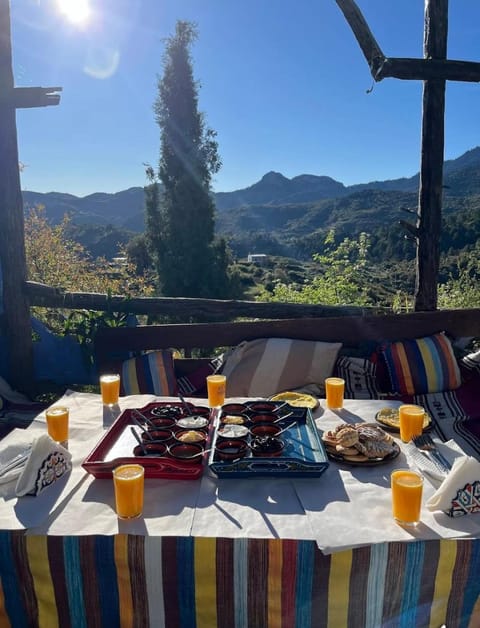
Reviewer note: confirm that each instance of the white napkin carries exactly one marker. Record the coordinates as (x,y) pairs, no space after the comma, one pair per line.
(459,493)
(48,462)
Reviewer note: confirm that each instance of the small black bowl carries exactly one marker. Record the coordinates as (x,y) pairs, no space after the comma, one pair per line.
(173,412)
(230,449)
(267,446)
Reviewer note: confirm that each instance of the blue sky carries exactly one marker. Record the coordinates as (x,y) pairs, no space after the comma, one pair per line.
(283,82)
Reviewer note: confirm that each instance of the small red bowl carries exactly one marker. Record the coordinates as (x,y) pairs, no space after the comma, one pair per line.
(262,406)
(190,453)
(264,417)
(265,429)
(232,418)
(230,449)
(159,436)
(152,449)
(191,436)
(192,422)
(234,408)
(233,431)
(163,422)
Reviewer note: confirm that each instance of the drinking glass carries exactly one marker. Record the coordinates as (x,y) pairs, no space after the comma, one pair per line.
(216,387)
(57,423)
(110,389)
(128,480)
(334,389)
(411,421)
(407,488)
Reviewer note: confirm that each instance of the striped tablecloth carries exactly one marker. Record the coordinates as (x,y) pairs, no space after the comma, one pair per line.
(185,582)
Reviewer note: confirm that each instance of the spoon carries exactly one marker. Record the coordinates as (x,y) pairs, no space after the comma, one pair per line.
(285,416)
(144,418)
(139,440)
(185,403)
(138,424)
(286,428)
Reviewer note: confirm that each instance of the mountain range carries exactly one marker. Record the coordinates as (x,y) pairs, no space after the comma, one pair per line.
(276,204)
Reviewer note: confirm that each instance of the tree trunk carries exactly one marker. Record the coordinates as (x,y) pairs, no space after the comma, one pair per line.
(16,308)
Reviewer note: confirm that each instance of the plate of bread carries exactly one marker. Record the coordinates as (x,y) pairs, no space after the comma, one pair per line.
(362,444)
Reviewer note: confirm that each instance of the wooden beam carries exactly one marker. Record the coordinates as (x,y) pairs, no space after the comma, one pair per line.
(181,308)
(27,97)
(428,69)
(364,36)
(12,241)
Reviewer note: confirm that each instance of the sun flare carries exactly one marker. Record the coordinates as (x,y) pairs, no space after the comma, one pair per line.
(75,11)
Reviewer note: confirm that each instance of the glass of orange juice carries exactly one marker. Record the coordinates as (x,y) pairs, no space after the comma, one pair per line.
(411,421)
(57,423)
(128,482)
(110,389)
(407,487)
(216,388)
(334,389)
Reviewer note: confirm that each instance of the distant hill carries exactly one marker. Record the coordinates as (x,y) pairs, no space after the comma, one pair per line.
(278,207)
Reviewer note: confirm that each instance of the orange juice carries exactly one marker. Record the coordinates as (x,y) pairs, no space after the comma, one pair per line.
(407,489)
(216,387)
(411,421)
(334,387)
(128,483)
(110,388)
(57,423)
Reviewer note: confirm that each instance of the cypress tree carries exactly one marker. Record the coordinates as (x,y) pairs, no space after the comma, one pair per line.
(179,202)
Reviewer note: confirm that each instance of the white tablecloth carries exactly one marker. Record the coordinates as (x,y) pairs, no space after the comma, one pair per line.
(345,507)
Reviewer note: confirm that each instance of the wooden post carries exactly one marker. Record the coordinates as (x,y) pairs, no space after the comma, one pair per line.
(434,69)
(16,310)
(429,222)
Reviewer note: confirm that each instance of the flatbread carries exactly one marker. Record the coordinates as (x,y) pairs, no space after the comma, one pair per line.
(298,400)
(390,418)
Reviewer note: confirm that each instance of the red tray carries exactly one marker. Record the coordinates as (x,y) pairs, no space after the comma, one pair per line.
(112,451)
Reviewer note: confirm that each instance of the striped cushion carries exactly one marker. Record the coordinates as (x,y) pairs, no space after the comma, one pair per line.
(263,367)
(151,373)
(423,365)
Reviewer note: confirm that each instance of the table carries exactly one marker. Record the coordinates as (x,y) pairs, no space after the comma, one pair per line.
(67,561)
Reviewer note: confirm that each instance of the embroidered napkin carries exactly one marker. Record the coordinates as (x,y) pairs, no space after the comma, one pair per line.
(459,493)
(48,462)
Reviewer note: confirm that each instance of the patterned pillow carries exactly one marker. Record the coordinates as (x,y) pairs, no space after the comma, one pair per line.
(195,383)
(422,365)
(471,362)
(360,377)
(151,373)
(263,367)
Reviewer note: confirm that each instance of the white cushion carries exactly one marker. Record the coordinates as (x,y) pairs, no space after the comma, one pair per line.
(263,367)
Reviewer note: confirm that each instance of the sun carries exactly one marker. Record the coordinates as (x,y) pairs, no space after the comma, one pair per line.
(76,11)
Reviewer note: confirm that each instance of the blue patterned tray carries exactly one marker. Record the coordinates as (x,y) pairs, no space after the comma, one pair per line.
(303,456)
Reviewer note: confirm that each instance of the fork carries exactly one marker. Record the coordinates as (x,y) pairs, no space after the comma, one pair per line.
(425,443)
